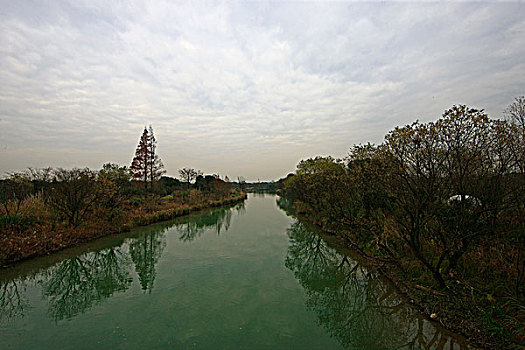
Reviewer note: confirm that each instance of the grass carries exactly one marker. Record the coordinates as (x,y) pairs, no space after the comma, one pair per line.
(34,231)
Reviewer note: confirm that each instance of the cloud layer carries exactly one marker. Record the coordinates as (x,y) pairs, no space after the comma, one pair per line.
(241,89)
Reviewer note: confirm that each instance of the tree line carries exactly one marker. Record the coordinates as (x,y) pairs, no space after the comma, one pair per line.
(147,167)
(430,195)
(45,203)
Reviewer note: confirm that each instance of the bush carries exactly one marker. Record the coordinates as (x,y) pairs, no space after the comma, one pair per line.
(16,223)
(74,194)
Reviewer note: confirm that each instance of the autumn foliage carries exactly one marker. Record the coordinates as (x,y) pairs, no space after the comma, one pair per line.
(146,165)
(443,201)
(44,210)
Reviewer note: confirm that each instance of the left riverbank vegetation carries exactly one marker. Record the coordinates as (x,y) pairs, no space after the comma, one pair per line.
(439,206)
(45,210)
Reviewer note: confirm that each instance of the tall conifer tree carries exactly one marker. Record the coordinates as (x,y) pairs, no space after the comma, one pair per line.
(146,165)
(156,168)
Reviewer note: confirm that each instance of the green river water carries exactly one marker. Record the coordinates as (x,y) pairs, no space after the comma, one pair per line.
(243,277)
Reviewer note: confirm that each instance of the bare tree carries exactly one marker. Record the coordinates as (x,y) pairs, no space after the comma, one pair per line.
(242,182)
(40,178)
(74,194)
(188,175)
(13,191)
(515,112)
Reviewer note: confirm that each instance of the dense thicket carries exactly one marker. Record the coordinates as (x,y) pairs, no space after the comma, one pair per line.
(438,199)
(72,195)
(43,210)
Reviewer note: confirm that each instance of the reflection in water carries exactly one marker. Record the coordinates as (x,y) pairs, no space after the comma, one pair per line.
(145,252)
(286,205)
(353,304)
(220,219)
(74,285)
(12,299)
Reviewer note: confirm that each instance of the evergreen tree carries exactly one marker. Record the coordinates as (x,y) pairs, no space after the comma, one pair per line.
(156,168)
(146,165)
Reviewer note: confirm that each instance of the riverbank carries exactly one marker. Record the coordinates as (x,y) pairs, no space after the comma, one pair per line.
(49,238)
(460,309)
(163,285)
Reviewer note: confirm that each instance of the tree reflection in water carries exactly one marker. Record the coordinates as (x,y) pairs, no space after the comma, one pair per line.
(219,219)
(13,301)
(145,252)
(74,285)
(286,205)
(353,304)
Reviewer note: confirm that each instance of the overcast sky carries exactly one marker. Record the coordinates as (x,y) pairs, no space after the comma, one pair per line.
(241,88)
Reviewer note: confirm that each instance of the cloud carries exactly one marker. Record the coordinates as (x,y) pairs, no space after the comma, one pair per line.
(241,88)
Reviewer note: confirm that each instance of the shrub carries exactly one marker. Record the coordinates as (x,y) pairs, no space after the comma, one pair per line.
(16,223)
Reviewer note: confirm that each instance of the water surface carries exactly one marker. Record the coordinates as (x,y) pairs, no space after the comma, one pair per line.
(244,277)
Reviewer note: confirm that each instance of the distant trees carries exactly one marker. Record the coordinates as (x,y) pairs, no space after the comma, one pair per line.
(39,207)
(205,183)
(212,183)
(322,183)
(242,182)
(170,183)
(146,165)
(73,197)
(188,175)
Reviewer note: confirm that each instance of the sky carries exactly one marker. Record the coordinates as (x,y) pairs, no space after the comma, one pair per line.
(242,88)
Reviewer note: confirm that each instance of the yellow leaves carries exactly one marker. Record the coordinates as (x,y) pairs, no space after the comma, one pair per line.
(106,187)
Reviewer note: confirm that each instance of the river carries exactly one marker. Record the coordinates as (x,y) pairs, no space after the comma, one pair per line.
(243,277)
